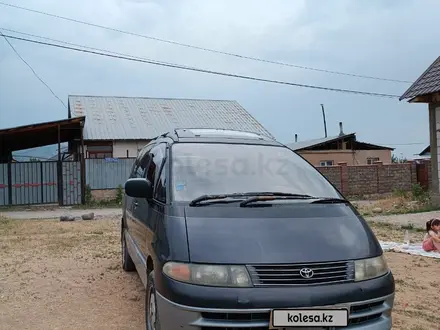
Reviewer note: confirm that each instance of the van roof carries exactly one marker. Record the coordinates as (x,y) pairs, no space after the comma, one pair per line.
(215,135)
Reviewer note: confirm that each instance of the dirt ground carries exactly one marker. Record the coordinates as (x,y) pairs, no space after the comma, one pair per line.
(67,275)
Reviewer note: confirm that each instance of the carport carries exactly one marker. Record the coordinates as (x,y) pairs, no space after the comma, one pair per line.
(426,89)
(43,182)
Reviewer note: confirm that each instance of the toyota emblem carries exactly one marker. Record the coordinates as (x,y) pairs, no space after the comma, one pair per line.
(306,273)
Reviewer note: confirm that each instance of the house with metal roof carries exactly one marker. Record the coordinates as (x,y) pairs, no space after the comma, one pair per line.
(342,148)
(118,127)
(426,89)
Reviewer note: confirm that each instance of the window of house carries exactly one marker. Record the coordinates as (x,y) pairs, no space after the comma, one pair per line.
(99,152)
(372,160)
(326,163)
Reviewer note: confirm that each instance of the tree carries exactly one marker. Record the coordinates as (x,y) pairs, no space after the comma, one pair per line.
(395,159)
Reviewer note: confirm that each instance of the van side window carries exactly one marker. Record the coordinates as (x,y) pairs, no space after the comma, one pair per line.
(160,192)
(156,155)
(140,167)
(140,164)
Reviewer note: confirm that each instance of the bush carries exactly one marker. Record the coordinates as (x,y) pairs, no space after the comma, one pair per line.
(88,195)
(419,194)
(119,194)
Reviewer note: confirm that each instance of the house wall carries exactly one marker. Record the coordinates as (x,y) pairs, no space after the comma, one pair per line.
(120,148)
(350,157)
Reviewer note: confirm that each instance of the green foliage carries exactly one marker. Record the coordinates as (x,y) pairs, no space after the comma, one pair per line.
(119,194)
(419,194)
(400,193)
(88,195)
(395,159)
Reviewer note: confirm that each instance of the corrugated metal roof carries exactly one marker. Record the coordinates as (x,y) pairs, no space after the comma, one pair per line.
(137,118)
(428,82)
(311,143)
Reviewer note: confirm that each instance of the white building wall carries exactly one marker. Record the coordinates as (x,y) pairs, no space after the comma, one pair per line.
(121,148)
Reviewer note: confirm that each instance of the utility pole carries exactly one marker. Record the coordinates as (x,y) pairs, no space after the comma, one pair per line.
(323,116)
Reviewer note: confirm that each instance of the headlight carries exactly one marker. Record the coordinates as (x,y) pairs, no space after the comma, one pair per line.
(210,275)
(366,269)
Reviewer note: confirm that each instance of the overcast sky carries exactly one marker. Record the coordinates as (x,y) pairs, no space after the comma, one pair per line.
(384,38)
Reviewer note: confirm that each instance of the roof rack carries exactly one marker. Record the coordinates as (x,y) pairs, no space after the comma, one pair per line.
(218,132)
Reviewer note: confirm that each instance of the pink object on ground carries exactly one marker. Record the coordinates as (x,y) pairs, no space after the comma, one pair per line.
(428,245)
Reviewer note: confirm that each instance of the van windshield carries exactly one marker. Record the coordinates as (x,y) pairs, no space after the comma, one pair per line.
(215,168)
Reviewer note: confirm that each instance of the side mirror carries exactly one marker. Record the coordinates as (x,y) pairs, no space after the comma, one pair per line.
(140,188)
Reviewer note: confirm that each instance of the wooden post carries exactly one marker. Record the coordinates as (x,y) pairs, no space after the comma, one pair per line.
(83,167)
(10,182)
(60,170)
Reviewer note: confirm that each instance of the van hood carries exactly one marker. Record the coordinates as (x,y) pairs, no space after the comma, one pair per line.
(301,232)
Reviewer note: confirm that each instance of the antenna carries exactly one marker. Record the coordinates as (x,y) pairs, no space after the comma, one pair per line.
(323,117)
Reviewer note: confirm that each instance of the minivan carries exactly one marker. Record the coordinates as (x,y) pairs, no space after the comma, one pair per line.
(234,230)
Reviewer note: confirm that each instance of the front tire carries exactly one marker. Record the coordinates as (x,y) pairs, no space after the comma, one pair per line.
(127,262)
(151,312)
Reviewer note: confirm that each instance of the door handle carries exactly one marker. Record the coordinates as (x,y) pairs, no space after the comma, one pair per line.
(135,204)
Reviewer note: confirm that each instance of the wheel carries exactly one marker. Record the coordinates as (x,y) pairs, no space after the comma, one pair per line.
(127,262)
(151,312)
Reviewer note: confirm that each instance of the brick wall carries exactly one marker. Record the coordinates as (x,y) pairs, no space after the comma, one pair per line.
(356,180)
(104,194)
(379,178)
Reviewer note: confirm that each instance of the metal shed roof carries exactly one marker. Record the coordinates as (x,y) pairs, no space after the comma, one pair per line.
(428,82)
(315,142)
(138,118)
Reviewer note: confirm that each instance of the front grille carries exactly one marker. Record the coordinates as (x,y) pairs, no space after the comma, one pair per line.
(233,328)
(243,317)
(282,275)
(359,314)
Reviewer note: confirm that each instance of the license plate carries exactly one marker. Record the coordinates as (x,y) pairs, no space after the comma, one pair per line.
(311,318)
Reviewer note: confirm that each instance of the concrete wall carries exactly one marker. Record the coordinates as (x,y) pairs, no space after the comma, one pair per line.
(350,157)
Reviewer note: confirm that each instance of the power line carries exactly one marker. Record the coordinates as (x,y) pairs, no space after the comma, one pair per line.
(87,47)
(231,75)
(30,67)
(203,48)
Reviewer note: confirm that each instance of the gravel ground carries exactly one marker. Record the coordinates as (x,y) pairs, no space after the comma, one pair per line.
(416,219)
(67,275)
(108,213)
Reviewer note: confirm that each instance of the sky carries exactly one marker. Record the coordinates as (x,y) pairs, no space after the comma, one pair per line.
(382,38)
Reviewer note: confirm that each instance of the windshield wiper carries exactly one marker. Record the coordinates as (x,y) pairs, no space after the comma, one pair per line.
(203,198)
(329,200)
(317,200)
(270,197)
(212,198)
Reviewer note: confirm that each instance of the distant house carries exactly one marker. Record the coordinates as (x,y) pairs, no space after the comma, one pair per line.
(426,152)
(426,89)
(344,147)
(119,127)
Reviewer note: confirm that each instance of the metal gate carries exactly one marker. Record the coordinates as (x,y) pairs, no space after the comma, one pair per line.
(40,183)
(71,172)
(33,183)
(422,175)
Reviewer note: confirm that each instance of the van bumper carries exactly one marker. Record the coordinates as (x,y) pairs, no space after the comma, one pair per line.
(373,314)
